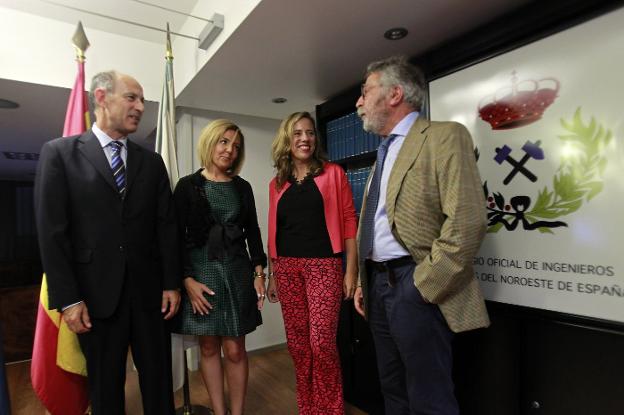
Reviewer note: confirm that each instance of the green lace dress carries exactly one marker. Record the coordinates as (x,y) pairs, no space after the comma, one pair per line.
(234,311)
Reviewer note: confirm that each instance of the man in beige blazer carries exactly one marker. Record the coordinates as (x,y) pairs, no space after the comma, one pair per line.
(421,224)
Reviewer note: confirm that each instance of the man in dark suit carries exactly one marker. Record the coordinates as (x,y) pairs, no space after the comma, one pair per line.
(107,237)
(421,224)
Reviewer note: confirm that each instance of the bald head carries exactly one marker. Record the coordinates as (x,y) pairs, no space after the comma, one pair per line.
(117,101)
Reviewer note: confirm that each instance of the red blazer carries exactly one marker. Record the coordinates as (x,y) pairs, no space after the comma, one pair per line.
(337,202)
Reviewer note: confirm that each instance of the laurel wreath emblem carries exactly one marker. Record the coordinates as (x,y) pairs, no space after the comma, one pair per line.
(578,178)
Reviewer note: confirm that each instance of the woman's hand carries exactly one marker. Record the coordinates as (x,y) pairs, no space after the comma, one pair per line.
(260,290)
(195,291)
(349,283)
(272,290)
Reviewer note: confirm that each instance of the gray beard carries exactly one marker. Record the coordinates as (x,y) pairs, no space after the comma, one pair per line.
(374,125)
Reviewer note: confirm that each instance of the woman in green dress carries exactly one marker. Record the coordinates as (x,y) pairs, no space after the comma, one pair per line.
(224,262)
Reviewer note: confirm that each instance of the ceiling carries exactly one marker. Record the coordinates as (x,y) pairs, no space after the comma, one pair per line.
(305,51)
(308,51)
(115,16)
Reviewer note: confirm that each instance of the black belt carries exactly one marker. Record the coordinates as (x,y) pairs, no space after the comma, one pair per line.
(389,266)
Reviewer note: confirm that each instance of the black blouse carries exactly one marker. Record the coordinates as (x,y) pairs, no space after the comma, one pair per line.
(198,227)
(301,227)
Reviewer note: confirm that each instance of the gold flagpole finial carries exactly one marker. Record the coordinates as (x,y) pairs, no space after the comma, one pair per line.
(169,53)
(80,41)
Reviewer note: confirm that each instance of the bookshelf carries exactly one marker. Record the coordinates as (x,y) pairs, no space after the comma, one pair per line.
(348,145)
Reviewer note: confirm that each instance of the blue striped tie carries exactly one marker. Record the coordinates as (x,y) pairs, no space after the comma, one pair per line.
(367,234)
(118,167)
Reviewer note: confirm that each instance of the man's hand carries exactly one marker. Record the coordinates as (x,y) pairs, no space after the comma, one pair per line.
(77,318)
(358,301)
(171,301)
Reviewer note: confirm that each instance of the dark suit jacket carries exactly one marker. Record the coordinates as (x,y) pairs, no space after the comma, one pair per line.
(92,240)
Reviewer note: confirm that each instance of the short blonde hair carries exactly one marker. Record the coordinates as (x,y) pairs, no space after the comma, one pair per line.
(281,153)
(209,138)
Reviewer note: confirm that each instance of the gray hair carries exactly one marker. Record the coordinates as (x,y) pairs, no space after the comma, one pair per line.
(397,71)
(103,80)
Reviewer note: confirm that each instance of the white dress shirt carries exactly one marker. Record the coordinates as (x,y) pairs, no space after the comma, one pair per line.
(385,246)
(105,141)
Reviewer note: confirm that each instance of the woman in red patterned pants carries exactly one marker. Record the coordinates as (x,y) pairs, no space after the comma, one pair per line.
(312,223)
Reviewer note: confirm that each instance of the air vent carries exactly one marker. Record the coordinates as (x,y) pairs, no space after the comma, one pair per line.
(16,155)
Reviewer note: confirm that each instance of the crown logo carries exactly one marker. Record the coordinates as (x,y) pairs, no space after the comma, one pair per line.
(518,104)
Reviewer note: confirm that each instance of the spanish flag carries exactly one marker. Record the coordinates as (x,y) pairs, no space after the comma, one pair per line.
(58,369)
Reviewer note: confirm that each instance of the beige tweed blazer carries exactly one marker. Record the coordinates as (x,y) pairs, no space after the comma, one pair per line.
(436,210)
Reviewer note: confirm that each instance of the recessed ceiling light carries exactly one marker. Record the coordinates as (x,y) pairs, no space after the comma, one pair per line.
(279,100)
(395,33)
(6,104)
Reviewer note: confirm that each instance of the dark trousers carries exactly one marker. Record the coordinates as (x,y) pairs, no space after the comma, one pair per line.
(413,345)
(106,349)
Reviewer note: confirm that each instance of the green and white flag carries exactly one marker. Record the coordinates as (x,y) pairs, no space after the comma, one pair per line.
(166,129)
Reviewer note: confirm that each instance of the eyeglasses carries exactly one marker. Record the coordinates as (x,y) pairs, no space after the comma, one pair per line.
(365,89)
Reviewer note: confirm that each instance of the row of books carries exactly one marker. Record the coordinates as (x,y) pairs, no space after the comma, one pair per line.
(346,137)
(357,179)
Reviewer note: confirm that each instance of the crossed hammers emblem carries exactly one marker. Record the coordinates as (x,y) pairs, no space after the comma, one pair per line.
(531,150)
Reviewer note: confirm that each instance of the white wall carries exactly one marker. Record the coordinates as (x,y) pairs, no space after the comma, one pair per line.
(257,170)
(39,50)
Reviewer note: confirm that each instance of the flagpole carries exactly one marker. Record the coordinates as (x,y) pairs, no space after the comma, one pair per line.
(166,147)
(187,408)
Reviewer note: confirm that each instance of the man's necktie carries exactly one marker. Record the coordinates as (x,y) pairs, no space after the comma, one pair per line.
(118,167)
(367,234)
